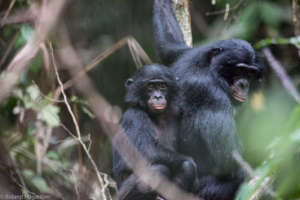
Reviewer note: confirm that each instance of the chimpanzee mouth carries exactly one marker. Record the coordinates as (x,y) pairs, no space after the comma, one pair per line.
(239,98)
(238,95)
(159,107)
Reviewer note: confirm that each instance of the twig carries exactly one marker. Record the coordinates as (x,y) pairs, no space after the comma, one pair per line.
(281,73)
(9,48)
(250,173)
(246,167)
(46,57)
(11,5)
(236,6)
(227,9)
(46,97)
(65,96)
(137,53)
(260,190)
(103,188)
(30,15)
(50,12)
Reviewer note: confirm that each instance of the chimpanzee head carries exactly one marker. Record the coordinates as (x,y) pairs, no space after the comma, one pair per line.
(151,88)
(237,64)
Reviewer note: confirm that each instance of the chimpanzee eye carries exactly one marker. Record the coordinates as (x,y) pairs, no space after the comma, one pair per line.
(150,86)
(238,72)
(163,86)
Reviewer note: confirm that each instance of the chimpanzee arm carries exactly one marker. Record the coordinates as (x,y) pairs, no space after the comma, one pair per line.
(168,35)
(211,188)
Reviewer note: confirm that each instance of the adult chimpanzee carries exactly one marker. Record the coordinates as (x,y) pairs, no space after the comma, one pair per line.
(211,78)
(150,124)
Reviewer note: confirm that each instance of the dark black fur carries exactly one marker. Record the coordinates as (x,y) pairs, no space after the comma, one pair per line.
(207,128)
(153,136)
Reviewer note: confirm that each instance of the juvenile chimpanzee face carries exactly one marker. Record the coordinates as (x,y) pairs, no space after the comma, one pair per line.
(152,88)
(156,92)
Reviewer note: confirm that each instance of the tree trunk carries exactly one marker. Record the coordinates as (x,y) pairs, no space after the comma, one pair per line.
(182,12)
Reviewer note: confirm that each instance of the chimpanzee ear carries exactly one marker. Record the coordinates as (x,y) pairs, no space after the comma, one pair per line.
(128,82)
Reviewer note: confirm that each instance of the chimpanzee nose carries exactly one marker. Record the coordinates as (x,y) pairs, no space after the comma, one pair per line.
(157,97)
(243,84)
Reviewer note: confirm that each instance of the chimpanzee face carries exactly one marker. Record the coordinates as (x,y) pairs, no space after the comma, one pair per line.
(236,64)
(152,88)
(156,92)
(243,76)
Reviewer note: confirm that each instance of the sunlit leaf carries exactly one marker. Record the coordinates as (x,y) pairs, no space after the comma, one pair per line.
(33,92)
(50,115)
(27,32)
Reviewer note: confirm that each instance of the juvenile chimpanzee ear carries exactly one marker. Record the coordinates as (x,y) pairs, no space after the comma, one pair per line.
(128,82)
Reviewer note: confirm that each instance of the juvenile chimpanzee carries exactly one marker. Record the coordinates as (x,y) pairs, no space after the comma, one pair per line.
(211,78)
(150,124)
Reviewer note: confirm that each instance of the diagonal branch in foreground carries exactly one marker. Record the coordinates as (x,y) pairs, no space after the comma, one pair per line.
(109,121)
(50,12)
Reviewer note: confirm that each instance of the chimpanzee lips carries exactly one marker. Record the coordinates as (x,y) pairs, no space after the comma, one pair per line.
(238,95)
(159,107)
(239,98)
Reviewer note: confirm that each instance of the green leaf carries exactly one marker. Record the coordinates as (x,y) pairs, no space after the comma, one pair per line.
(33,92)
(27,32)
(36,64)
(50,115)
(41,184)
(28,173)
(19,93)
(52,155)
(88,112)
(296,136)
(20,42)
(294,120)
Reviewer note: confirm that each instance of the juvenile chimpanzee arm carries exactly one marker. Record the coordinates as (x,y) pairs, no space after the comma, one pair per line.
(168,35)
(140,131)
